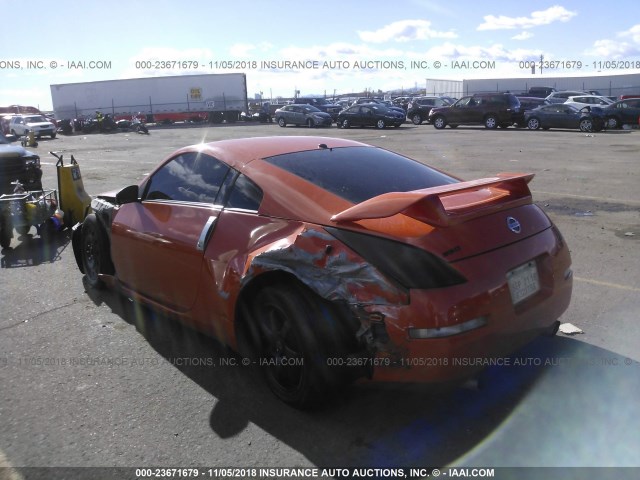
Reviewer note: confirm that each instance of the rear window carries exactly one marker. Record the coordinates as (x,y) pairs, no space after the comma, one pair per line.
(360,173)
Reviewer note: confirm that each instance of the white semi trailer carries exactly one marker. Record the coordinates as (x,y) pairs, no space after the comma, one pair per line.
(210,97)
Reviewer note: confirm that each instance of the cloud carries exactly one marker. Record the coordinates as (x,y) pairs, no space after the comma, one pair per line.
(246,50)
(627,44)
(522,36)
(404,31)
(495,52)
(537,18)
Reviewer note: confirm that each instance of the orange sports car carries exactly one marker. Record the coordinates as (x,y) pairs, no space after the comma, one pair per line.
(327,260)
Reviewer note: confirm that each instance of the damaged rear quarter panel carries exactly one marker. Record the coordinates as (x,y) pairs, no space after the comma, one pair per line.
(245,246)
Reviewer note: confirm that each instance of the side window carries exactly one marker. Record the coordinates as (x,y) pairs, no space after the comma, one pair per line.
(245,194)
(190,177)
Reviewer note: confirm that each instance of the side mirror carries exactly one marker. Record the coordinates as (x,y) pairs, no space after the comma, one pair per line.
(127,195)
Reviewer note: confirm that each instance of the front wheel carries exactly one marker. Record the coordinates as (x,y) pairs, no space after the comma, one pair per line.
(613,123)
(281,122)
(346,123)
(533,124)
(416,119)
(96,258)
(439,122)
(380,124)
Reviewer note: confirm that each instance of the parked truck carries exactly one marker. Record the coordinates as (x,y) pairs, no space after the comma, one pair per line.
(210,97)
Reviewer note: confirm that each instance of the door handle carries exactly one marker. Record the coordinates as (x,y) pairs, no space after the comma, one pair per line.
(205,234)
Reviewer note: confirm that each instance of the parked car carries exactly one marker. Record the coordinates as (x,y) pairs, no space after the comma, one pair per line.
(20,125)
(287,252)
(17,163)
(623,112)
(488,109)
(561,115)
(528,103)
(369,115)
(377,101)
(419,107)
(582,101)
(321,104)
(561,97)
(539,92)
(302,115)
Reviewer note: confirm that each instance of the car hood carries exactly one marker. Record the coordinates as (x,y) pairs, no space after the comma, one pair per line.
(435,110)
(14,151)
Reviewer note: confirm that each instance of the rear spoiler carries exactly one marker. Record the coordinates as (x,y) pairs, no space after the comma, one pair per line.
(447,204)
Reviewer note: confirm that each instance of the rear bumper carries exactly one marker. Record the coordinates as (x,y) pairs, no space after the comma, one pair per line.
(508,326)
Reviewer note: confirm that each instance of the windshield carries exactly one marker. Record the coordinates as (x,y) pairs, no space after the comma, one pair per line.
(35,119)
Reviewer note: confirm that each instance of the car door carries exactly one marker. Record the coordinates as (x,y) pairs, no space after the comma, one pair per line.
(158,243)
(459,111)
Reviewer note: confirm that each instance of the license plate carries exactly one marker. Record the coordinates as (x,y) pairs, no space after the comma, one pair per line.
(523,282)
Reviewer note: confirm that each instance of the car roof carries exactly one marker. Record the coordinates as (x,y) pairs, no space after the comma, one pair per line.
(239,153)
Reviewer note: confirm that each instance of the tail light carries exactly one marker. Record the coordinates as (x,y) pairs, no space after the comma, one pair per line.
(409,266)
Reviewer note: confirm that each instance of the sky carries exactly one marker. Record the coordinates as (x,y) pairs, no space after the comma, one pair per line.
(340,46)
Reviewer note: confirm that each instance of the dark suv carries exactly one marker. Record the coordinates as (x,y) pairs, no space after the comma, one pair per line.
(19,164)
(419,107)
(489,109)
(321,104)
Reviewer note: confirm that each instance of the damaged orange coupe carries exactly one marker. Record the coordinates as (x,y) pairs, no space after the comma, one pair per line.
(327,260)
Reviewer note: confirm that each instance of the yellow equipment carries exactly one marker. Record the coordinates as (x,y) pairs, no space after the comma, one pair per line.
(29,140)
(74,200)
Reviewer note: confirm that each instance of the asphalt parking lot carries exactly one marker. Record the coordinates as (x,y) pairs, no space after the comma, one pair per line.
(89,379)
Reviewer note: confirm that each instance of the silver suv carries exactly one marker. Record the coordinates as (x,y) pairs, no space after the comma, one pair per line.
(38,124)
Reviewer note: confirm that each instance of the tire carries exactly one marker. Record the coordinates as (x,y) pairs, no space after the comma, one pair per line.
(490,122)
(295,340)
(6,232)
(96,258)
(586,125)
(310,123)
(416,119)
(281,122)
(439,122)
(53,135)
(613,123)
(533,123)
(283,316)
(380,124)
(346,123)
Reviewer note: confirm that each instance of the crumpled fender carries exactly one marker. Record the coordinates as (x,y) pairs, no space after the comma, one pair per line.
(326,266)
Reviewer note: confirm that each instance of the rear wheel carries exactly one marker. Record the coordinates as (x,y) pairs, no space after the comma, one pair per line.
(586,125)
(490,122)
(292,348)
(96,258)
